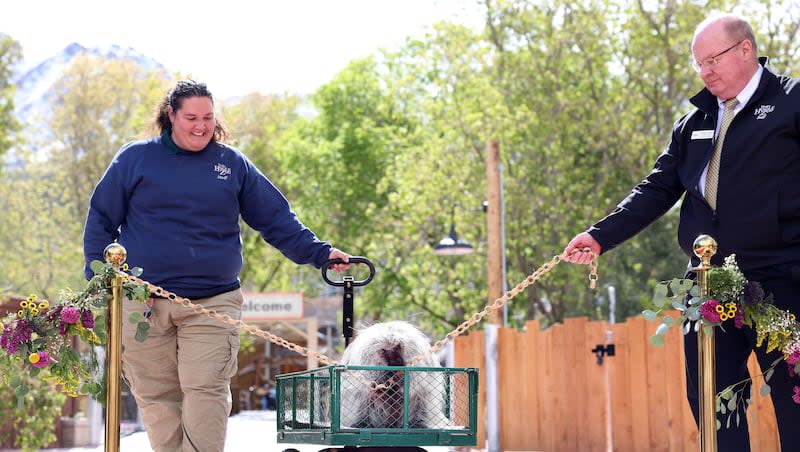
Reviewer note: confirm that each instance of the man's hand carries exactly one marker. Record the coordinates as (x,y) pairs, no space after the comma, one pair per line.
(580,249)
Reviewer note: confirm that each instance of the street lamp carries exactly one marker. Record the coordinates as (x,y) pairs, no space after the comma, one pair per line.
(452,245)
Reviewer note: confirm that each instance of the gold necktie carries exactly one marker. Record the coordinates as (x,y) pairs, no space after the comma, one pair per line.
(712,175)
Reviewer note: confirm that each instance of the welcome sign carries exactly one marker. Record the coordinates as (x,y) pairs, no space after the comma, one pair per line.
(272,306)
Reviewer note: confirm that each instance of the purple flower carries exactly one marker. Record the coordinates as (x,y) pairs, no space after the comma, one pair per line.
(738,318)
(796,396)
(13,337)
(709,311)
(793,358)
(87,319)
(753,293)
(70,315)
(40,359)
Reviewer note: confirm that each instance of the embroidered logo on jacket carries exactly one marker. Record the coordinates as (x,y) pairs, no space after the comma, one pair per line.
(762,111)
(222,171)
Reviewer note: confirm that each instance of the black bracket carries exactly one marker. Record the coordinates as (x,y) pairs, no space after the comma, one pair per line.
(601,350)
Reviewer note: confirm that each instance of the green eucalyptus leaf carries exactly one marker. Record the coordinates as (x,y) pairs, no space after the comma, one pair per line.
(732,402)
(768,374)
(134,317)
(97,267)
(657,340)
(649,315)
(660,295)
(679,305)
(669,321)
(726,393)
(686,285)
(662,329)
(141,331)
(22,390)
(136,271)
(765,390)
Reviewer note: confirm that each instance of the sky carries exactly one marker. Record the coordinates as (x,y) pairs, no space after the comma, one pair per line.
(235,46)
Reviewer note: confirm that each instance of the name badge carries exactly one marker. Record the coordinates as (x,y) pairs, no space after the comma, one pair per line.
(702,134)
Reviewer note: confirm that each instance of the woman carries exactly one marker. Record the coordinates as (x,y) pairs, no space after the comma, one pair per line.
(174,202)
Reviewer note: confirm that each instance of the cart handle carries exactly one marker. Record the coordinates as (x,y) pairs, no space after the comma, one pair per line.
(352,260)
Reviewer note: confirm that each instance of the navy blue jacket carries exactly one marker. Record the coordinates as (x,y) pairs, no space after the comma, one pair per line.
(177,214)
(758,197)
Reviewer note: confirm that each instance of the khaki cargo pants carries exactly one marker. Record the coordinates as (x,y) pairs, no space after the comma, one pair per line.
(180,375)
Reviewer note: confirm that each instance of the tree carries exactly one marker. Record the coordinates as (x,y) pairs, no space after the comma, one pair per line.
(10,55)
(258,122)
(99,105)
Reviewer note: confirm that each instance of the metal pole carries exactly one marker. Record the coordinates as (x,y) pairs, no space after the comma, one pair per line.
(115,255)
(704,248)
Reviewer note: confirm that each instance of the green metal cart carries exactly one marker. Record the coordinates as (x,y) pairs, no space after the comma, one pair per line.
(342,405)
(310,408)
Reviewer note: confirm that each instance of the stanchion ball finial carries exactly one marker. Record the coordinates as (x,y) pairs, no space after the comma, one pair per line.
(115,254)
(705,247)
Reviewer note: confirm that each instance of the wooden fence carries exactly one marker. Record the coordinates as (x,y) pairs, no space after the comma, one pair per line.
(554,396)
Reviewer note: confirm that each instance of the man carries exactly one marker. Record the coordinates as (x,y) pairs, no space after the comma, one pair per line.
(746,197)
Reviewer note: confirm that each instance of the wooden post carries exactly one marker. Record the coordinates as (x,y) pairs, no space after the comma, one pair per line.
(494,228)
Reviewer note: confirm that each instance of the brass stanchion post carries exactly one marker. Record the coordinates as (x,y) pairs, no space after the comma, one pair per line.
(704,248)
(115,254)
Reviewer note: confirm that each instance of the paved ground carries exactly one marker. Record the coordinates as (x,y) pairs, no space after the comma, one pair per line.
(247,431)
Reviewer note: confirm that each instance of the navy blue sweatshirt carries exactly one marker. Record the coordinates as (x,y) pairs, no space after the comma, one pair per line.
(177,215)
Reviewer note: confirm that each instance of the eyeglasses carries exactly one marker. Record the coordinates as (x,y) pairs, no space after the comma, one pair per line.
(712,61)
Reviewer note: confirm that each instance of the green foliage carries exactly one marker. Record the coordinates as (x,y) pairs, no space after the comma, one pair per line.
(10,55)
(40,337)
(31,413)
(729,299)
(99,105)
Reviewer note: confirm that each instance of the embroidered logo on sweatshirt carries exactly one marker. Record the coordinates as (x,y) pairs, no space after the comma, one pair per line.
(762,111)
(222,171)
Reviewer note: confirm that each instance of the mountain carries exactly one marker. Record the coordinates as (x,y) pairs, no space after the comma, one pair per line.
(34,96)
(35,85)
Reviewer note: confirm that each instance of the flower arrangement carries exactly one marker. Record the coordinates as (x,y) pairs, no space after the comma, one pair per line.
(732,299)
(42,336)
